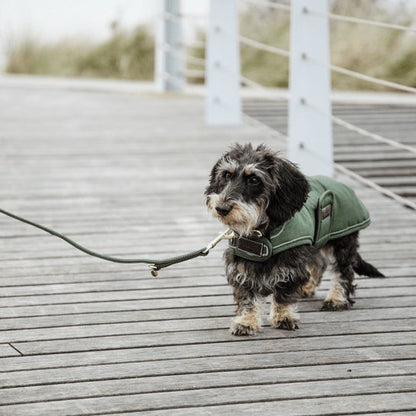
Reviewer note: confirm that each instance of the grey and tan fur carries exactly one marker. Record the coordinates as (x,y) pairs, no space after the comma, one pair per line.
(254,189)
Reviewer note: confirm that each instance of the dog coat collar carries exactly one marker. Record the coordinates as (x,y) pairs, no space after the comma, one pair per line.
(331,211)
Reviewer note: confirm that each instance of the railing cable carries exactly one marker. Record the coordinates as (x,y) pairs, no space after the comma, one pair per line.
(263,46)
(335,16)
(352,19)
(195,73)
(283,52)
(266,91)
(196,44)
(195,60)
(373,136)
(373,80)
(375,186)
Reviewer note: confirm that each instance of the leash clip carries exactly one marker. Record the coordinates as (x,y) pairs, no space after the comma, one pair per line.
(226,235)
(153,270)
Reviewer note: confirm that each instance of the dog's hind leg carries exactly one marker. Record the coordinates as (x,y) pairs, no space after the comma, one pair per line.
(316,270)
(344,252)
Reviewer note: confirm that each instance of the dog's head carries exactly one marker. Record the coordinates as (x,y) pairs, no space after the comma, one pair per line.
(249,188)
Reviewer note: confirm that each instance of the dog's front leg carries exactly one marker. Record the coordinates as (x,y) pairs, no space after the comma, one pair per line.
(283,316)
(248,313)
(289,277)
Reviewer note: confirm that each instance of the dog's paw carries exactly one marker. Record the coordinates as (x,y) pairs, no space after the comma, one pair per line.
(287,324)
(242,330)
(330,305)
(308,290)
(307,293)
(284,317)
(247,323)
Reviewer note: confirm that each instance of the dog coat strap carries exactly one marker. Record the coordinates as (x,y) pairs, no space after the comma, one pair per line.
(253,248)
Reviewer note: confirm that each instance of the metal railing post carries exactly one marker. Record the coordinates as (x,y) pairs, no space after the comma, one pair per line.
(310,126)
(223,101)
(169,51)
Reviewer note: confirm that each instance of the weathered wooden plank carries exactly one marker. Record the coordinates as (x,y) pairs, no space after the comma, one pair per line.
(208,265)
(7,350)
(178,282)
(218,344)
(73,258)
(142,278)
(402,249)
(212,274)
(113,337)
(210,303)
(357,404)
(175,277)
(203,365)
(117,305)
(20,247)
(176,325)
(157,294)
(217,396)
(152,317)
(133,385)
(114,295)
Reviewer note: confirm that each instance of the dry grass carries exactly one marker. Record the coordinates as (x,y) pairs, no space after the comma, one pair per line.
(383,53)
(126,55)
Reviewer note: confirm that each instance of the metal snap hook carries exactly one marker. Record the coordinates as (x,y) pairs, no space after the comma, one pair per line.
(226,235)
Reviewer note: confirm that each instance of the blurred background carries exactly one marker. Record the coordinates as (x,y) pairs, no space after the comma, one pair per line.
(115,39)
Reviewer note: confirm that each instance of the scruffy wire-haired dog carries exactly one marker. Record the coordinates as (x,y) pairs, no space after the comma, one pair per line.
(258,195)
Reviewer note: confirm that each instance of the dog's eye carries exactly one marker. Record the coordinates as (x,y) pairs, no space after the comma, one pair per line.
(227,175)
(253,180)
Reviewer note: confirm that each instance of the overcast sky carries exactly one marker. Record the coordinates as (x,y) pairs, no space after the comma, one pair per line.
(54,19)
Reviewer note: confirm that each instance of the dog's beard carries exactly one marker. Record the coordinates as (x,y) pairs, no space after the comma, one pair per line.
(243,218)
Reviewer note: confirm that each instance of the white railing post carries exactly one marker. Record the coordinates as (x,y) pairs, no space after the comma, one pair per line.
(169,51)
(223,101)
(310,125)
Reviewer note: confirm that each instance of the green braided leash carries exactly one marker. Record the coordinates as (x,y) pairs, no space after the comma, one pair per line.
(155,265)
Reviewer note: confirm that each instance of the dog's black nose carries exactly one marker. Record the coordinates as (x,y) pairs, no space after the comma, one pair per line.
(223,210)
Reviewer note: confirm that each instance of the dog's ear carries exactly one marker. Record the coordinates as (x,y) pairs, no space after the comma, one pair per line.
(212,187)
(290,192)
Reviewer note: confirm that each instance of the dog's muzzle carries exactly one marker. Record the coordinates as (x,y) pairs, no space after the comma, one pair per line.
(223,210)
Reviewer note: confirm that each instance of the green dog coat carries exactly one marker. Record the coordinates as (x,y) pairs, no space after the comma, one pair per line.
(331,211)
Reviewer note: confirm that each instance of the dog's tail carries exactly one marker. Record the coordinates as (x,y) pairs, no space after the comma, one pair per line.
(363,268)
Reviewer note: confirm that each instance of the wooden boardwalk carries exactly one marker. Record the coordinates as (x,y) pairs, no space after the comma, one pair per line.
(124,174)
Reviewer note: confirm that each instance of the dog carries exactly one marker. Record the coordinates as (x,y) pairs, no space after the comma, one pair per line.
(258,195)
